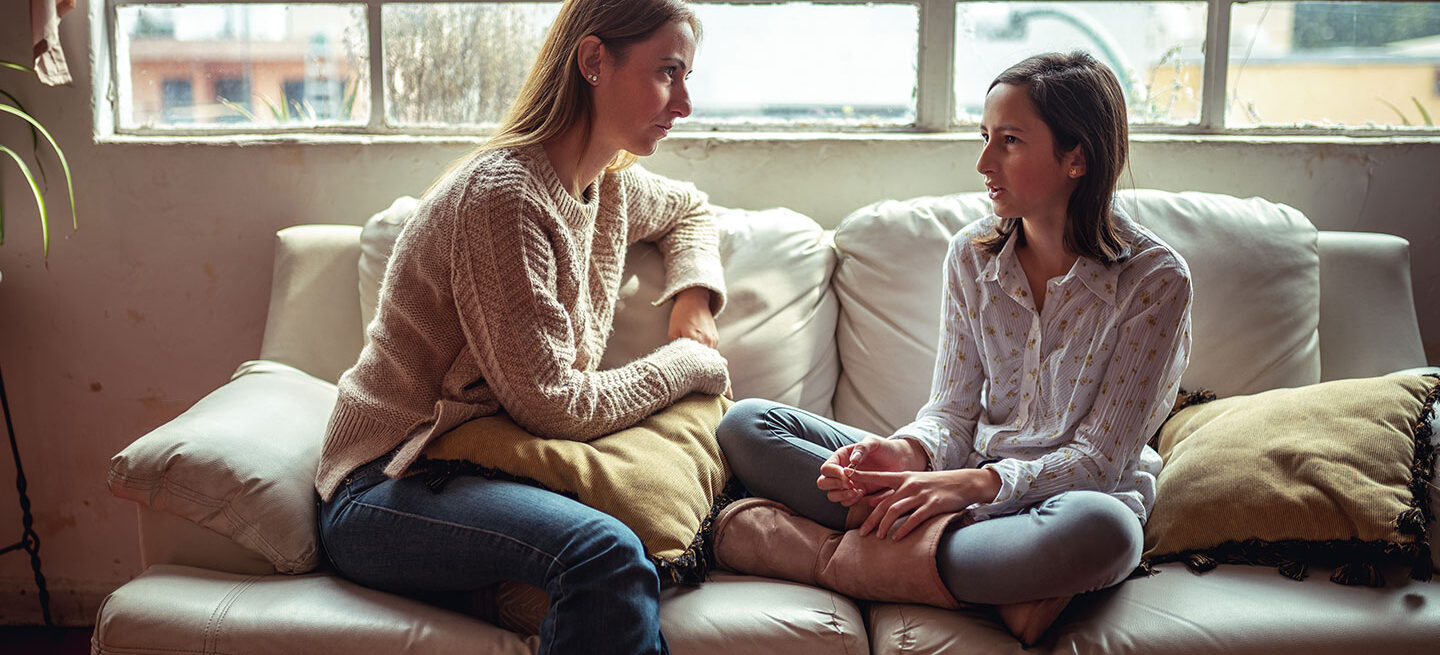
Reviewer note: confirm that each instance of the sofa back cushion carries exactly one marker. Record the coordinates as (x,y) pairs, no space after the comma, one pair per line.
(1254,264)
(377,239)
(313,320)
(777,330)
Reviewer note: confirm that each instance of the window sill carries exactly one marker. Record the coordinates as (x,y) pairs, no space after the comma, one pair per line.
(708,138)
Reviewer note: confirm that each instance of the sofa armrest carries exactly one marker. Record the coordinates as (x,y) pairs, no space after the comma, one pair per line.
(240,463)
(1368,324)
(314,318)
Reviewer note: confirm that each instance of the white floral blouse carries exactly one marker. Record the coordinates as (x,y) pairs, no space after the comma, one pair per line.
(1064,399)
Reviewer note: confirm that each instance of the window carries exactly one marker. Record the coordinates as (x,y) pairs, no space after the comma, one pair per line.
(839,65)
(443,67)
(1333,64)
(240,60)
(1147,44)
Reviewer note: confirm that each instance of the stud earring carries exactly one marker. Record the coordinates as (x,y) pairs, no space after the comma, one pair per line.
(594,78)
(1074,173)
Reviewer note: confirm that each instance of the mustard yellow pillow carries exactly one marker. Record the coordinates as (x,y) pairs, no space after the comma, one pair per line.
(1335,473)
(662,477)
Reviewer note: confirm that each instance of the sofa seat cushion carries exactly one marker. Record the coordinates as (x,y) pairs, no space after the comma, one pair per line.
(778,327)
(735,613)
(1254,263)
(174,610)
(1233,610)
(170,610)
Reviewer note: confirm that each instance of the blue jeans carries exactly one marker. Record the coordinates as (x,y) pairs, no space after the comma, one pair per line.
(1073,542)
(401,537)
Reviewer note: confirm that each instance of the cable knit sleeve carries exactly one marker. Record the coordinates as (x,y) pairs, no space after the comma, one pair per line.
(505,265)
(678,218)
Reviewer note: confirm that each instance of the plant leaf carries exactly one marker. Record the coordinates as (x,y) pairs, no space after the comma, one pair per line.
(1403,120)
(64,164)
(34,138)
(281,114)
(5,63)
(39,200)
(352,89)
(1424,115)
(237,108)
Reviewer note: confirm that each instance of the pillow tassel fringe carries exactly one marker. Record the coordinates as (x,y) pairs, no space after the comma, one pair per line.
(1416,520)
(1200,562)
(1411,522)
(1423,569)
(1294,569)
(694,565)
(1358,573)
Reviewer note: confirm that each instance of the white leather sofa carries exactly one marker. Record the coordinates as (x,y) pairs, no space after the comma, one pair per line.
(842,322)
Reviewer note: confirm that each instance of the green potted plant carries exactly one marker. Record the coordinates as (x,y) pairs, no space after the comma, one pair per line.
(29,540)
(10,105)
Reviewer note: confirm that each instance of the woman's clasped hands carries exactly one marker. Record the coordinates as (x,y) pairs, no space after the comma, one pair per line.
(691,318)
(890,476)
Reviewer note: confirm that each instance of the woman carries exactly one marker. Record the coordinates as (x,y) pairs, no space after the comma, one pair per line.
(498,297)
(1066,327)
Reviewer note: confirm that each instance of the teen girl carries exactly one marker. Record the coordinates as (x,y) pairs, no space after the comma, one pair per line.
(499,296)
(1065,330)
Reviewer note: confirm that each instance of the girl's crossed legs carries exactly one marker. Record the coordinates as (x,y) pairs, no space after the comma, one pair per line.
(1071,543)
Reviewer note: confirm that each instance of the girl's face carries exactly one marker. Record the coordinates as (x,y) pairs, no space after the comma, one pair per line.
(1024,176)
(638,99)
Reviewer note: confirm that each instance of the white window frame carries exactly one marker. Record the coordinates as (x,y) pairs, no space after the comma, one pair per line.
(934,93)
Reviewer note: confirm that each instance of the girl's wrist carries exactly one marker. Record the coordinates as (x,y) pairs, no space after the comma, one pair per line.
(912,455)
(987,484)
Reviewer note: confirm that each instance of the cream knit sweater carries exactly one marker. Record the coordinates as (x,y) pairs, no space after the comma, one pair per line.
(500,295)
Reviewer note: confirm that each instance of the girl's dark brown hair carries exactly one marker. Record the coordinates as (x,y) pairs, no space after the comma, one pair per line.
(1081,101)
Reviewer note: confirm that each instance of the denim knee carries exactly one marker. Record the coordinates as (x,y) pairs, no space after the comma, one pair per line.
(604,548)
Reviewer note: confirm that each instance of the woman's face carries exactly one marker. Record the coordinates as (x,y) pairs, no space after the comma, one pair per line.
(1022,173)
(637,99)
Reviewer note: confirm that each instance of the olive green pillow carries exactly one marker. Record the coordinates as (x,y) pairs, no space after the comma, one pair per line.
(1332,474)
(663,477)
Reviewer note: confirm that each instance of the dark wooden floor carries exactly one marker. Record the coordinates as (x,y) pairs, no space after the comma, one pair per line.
(16,640)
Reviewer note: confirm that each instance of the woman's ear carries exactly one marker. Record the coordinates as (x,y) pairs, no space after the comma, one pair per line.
(1075,162)
(588,56)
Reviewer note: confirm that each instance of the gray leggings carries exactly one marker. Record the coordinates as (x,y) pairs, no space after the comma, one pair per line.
(1068,544)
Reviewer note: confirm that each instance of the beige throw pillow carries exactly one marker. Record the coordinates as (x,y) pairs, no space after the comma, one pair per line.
(662,477)
(1335,473)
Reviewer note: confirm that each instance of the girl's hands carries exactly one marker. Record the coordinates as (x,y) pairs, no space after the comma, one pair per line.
(871,454)
(690,317)
(906,499)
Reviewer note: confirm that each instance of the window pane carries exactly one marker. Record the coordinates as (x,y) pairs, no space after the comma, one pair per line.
(1153,47)
(798,63)
(459,64)
(254,64)
(1339,64)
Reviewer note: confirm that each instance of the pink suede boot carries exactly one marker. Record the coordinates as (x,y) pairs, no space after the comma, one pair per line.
(762,537)
(1030,620)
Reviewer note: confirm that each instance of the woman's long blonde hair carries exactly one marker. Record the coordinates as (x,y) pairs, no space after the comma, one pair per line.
(555,96)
